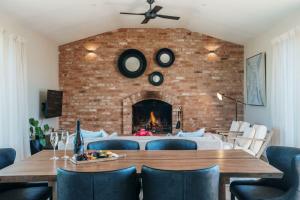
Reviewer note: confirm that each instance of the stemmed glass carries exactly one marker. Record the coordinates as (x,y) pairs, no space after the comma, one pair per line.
(65,141)
(54,142)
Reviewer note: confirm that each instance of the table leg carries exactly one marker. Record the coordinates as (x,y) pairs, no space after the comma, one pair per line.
(222,190)
(54,189)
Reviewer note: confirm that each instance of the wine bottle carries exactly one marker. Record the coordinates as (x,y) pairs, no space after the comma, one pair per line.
(78,140)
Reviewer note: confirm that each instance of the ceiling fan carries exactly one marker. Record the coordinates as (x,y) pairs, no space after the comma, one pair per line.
(152,13)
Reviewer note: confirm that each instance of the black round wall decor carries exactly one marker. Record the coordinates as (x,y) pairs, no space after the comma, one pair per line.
(165,57)
(132,63)
(156,78)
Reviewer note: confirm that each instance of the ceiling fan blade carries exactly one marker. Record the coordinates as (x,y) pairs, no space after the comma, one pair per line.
(156,9)
(168,17)
(145,21)
(126,13)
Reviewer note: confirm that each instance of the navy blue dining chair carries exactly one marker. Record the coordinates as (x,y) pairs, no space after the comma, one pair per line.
(201,184)
(286,159)
(20,191)
(171,144)
(121,184)
(114,145)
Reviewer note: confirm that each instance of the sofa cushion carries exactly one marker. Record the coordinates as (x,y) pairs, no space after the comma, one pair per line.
(198,133)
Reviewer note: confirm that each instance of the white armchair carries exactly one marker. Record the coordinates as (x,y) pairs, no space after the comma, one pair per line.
(236,128)
(254,140)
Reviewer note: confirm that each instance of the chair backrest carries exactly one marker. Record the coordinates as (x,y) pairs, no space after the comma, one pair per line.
(202,184)
(235,126)
(171,144)
(114,145)
(260,134)
(284,159)
(249,132)
(112,185)
(7,157)
(243,126)
(265,144)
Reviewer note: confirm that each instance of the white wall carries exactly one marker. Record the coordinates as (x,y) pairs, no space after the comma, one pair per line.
(42,55)
(262,43)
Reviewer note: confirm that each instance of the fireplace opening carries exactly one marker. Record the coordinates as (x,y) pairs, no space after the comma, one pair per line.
(152,115)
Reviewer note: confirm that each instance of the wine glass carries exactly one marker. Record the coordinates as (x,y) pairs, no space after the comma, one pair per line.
(54,142)
(65,141)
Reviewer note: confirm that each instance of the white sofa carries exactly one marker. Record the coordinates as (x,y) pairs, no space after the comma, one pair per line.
(208,141)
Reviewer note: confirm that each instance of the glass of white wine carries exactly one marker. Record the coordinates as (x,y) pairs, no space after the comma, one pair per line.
(65,141)
(54,142)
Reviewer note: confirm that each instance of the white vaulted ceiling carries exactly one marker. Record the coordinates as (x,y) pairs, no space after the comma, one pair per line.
(68,20)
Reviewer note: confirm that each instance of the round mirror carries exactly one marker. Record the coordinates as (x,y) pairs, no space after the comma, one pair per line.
(132,63)
(165,57)
(156,78)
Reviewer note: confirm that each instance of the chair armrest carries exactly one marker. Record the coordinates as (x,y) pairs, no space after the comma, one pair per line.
(237,132)
(222,131)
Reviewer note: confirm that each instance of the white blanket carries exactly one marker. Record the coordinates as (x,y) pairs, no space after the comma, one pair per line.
(209,141)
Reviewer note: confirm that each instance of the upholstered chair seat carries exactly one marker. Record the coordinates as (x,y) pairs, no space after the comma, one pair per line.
(254,190)
(111,185)
(20,191)
(171,144)
(202,184)
(286,159)
(114,145)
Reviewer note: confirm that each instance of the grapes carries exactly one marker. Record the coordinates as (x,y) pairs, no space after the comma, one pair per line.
(92,155)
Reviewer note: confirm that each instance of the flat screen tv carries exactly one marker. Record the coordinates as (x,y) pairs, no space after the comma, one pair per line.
(53,104)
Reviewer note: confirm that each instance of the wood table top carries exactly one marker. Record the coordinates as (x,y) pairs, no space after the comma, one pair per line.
(233,163)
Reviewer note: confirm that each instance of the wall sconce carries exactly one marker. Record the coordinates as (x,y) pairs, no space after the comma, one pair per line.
(91,51)
(212,53)
(212,56)
(91,46)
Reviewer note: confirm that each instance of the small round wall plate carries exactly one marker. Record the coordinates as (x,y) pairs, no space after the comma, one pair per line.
(156,78)
(165,57)
(132,63)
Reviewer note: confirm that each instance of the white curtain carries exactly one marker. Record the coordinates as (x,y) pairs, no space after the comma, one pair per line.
(13,95)
(284,88)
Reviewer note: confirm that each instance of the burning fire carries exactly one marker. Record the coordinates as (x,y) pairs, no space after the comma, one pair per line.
(152,118)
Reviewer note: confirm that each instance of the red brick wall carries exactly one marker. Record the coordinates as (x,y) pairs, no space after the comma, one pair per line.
(94,90)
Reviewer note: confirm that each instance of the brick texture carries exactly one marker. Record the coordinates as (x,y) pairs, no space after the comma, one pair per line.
(101,97)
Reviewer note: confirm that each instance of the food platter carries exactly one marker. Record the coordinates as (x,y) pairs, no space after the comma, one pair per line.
(110,156)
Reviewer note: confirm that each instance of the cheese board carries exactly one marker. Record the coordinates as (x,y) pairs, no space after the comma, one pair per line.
(96,156)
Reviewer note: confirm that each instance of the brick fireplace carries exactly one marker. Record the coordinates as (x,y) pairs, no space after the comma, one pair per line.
(96,92)
(136,98)
(152,115)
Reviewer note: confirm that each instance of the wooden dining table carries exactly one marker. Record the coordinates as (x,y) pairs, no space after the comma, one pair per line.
(232,163)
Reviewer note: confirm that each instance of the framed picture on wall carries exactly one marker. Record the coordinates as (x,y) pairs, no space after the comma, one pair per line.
(256,80)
